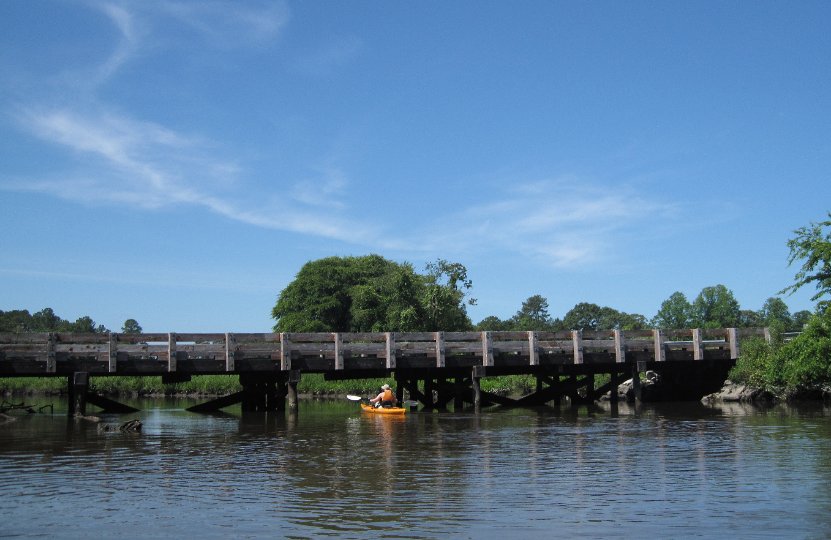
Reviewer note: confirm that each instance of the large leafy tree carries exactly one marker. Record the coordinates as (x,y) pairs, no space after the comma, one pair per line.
(675,312)
(447,285)
(373,294)
(812,244)
(715,307)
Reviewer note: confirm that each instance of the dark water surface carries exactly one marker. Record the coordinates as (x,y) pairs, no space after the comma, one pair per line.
(670,471)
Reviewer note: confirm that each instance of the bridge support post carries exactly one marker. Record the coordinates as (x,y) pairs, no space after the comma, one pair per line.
(262,393)
(458,394)
(294,378)
(636,383)
(476,376)
(428,393)
(77,389)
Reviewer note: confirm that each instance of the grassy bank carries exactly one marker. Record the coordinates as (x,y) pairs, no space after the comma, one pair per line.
(216,385)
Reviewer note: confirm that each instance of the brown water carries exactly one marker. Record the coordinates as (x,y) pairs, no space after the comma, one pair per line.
(671,471)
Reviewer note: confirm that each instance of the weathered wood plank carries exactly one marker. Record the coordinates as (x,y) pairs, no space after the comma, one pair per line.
(577,337)
(285,352)
(389,346)
(230,351)
(338,352)
(620,347)
(533,356)
(660,352)
(171,352)
(112,353)
(440,350)
(733,337)
(698,348)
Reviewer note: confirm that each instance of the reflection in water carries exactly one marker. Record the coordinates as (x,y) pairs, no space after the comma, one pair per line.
(330,470)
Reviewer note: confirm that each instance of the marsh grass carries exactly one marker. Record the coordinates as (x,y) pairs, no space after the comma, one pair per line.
(217,385)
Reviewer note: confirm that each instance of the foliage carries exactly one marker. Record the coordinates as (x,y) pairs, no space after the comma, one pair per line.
(813,245)
(494,324)
(444,302)
(131,326)
(533,315)
(806,359)
(45,320)
(786,368)
(373,294)
(675,312)
(715,307)
(773,312)
(587,316)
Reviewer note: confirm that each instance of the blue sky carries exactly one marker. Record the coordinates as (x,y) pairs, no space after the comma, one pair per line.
(178,162)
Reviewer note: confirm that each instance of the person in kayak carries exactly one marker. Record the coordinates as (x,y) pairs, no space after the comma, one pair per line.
(384,399)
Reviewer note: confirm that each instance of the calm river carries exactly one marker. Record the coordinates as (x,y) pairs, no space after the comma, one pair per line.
(670,471)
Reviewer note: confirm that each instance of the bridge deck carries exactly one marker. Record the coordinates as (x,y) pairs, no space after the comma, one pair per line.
(356,355)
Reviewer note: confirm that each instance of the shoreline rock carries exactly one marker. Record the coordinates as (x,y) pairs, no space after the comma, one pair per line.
(732,392)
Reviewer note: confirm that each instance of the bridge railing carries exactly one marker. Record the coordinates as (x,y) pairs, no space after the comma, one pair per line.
(45,353)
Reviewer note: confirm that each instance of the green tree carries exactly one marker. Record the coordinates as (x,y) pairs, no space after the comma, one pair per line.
(447,285)
(715,307)
(85,324)
(813,244)
(45,320)
(675,312)
(370,293)
(749,318)
(533,315)
(131,326)
(583,316)
(799,320)
(775,310)
(390,302)
(17,320)
(494,324)
(320,297)
(587,316)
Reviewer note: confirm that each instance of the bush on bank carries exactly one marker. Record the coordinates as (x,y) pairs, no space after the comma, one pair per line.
(788,369)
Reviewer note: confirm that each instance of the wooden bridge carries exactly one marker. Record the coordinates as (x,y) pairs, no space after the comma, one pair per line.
(434,368)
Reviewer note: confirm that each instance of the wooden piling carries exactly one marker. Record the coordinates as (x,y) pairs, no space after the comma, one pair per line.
(78,388)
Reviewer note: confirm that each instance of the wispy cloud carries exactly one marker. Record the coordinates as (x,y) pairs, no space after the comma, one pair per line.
(129,161)
(226,23)
(149,166)
(128,43)
(563,223)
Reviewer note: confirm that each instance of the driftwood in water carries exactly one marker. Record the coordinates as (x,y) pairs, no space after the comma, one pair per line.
(29,409)
(130,426)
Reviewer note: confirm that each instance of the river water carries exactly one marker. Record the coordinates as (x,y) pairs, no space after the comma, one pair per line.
(671,471)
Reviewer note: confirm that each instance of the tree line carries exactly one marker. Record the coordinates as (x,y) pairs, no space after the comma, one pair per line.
(373,294)
(45,320)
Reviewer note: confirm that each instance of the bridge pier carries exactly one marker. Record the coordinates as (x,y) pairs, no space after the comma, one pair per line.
(260,393)
(79,395)
(476,386)
(291,389)
(77,389)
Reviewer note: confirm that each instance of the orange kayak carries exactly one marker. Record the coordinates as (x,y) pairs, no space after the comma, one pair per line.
(382,410)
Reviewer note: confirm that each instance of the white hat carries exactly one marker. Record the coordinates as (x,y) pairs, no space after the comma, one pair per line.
(385,387)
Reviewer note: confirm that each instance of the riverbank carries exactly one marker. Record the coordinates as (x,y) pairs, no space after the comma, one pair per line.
(733,392)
